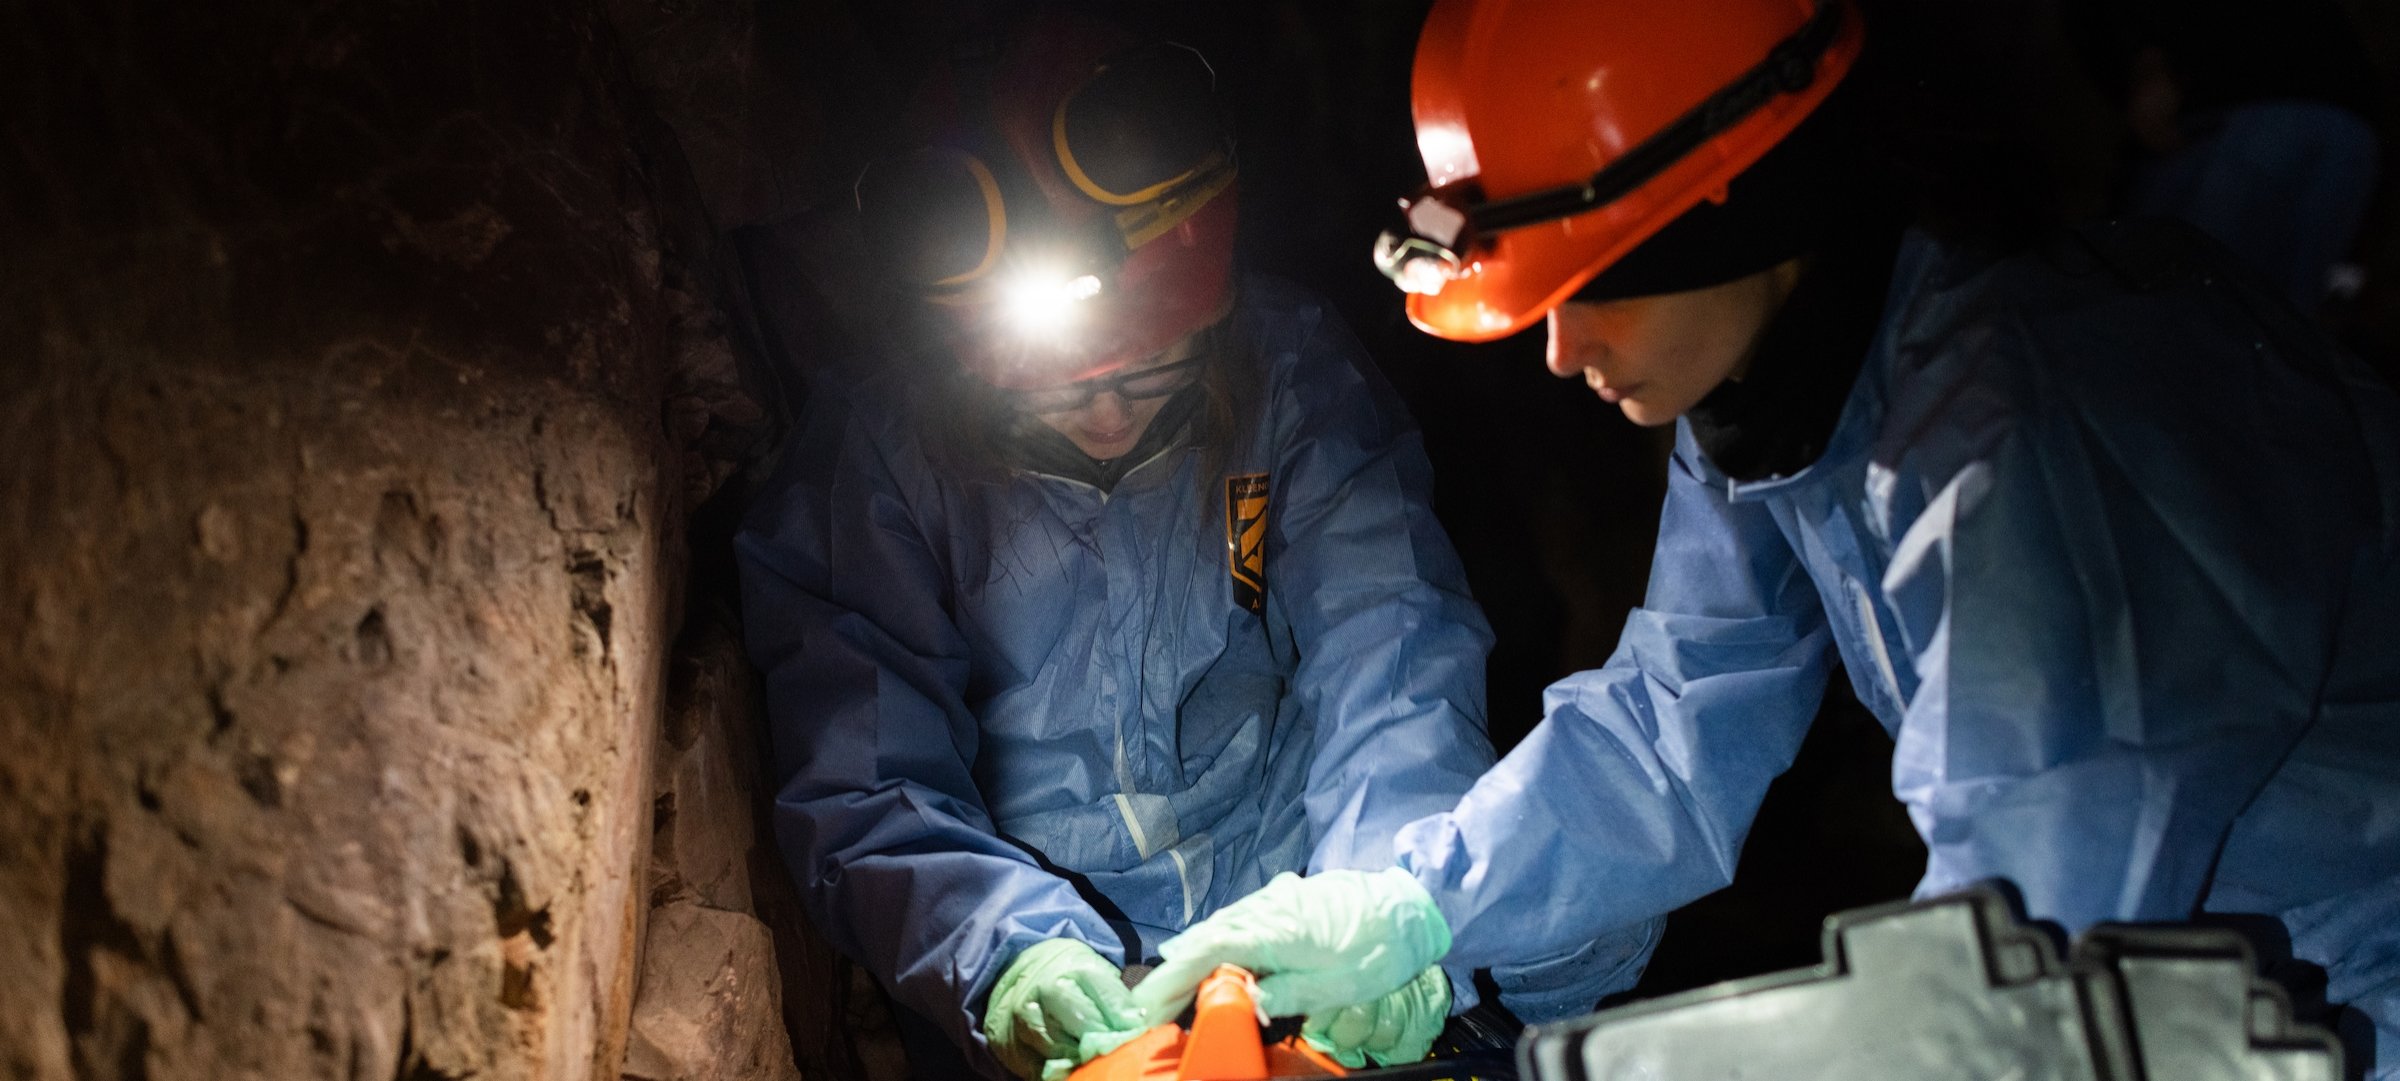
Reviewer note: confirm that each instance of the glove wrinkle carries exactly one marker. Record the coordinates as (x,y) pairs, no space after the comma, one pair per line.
(1394,1030)
(1316,944)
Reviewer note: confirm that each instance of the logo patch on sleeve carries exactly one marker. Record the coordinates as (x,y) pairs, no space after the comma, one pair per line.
(1246,538)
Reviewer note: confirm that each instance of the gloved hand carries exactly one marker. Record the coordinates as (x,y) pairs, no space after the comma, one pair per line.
(1315,944)
(1056,1006)
(1397,1029)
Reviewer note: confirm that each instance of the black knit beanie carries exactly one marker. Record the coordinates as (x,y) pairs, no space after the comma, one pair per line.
(1785,205)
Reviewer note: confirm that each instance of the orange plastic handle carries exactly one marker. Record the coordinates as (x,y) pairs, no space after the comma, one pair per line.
(1223,1044)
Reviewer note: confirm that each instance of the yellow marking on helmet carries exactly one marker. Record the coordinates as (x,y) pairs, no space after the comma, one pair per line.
(1083,181)
(994,212)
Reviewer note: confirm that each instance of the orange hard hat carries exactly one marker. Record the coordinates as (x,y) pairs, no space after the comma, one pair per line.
(1558,135)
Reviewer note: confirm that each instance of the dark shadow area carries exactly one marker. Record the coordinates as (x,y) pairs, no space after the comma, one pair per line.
(1829,837)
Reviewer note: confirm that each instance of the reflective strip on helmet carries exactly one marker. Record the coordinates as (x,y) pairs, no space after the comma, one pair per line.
(996,212)
(1085,184)
(1140,113)
(1145,223)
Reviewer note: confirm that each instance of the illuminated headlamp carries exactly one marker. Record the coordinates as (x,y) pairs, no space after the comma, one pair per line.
(1445,225)
(1046,304)
(1424,259)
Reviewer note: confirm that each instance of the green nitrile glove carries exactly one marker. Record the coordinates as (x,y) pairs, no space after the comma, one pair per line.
(1056,1006)
(1315,943)
(1397,1029)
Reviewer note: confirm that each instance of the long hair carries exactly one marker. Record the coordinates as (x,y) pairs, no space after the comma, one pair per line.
(1231,403)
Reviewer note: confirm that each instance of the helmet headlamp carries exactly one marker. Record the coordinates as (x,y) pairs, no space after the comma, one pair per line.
(1082,221)
(1046,304)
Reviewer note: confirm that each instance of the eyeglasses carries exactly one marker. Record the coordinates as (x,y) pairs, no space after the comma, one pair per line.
(1443,224)
(1156,382)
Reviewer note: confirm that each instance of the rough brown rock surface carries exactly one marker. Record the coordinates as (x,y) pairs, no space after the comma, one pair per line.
(710,1003)
(340,541)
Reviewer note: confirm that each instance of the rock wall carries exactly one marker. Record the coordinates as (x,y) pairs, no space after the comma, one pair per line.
(341,540)
(711,996)
(767,109)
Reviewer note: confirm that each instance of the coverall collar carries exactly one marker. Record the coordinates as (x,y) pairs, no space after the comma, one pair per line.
(1863,410)
(1042,449)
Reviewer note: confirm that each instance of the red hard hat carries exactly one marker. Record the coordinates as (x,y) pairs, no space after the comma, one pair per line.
(1095,160)
(1560,134)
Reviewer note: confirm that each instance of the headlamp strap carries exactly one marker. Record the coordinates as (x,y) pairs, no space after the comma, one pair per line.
(1788,68)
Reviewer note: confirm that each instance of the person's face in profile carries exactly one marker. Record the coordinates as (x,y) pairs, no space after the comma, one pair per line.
(1654,357)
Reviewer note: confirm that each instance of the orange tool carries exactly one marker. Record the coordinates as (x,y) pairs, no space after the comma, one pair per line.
(1223,1044)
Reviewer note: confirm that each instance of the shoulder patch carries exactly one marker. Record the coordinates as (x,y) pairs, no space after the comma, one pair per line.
(1246,538)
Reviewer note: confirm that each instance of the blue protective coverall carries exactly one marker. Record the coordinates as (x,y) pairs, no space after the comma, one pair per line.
(2107,542)
(1015,709)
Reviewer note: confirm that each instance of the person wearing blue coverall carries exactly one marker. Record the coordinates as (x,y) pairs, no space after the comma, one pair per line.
(1129,602)
(2102,530)
(2255,121)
